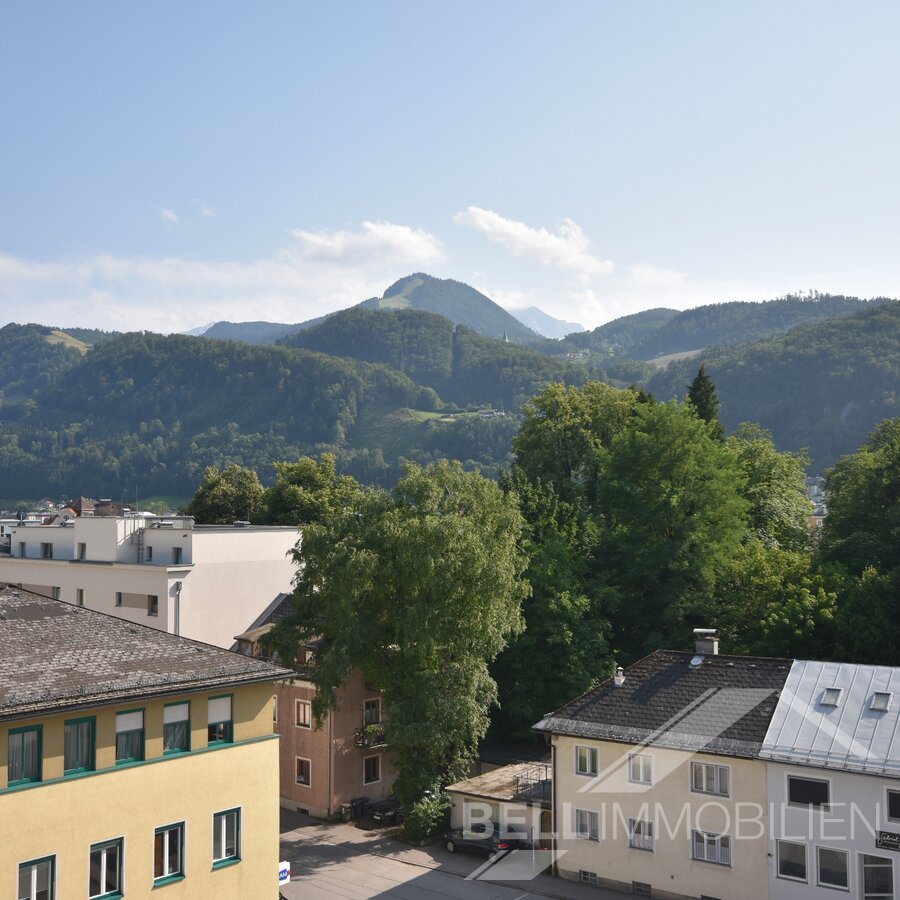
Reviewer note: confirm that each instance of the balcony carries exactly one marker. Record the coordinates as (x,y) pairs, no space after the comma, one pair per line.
(369,736)
(534,784)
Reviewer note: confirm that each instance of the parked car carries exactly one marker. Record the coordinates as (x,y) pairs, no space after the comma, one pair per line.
(387,812)
(483,837)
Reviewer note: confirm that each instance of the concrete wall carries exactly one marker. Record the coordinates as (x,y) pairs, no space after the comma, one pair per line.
(65,817)
(674,810)
(858,808)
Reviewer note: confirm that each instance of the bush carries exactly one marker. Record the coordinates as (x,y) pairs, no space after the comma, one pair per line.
(426,817)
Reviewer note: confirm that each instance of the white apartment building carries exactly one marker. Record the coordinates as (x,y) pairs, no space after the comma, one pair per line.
(207,582)
(833,760)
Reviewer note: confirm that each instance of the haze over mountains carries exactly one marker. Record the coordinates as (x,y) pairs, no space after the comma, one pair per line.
(394,379)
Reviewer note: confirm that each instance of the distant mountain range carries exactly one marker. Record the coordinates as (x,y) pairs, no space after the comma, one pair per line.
(387,381)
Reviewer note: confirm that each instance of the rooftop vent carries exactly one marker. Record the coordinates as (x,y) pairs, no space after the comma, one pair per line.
(831,696)
(706,641)
(619,678)
(881,701)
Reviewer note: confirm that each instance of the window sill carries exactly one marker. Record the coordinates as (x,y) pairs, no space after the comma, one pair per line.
(75,773)
(169,879)
(219,743)
(121,763)
(225,863)
(116,895)
(181,752)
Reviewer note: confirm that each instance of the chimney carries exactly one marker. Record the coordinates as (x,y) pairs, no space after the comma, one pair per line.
(706,641)
(619,678)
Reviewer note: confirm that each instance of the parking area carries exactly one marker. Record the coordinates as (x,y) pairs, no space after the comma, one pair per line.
(354,862)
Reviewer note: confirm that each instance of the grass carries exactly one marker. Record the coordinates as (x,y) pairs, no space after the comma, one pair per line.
(60,337)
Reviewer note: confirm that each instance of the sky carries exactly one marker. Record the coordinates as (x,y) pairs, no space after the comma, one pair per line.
(165,165)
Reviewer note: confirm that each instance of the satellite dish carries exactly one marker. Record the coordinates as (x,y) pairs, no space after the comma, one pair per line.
(21,515)
(697,661)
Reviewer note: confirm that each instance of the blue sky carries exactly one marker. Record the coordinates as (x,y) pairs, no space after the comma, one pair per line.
(166,165)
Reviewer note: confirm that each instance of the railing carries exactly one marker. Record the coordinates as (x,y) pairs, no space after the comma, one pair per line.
(535,783)
(369,736)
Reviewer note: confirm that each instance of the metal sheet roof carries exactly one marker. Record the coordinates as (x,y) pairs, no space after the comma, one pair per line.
(849,735)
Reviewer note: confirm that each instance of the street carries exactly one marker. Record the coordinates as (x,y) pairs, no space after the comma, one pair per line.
(355,863)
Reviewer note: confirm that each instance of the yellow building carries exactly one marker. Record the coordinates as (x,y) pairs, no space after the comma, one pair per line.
(133,763)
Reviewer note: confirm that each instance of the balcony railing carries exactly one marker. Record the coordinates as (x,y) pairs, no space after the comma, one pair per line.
(535,783)
(369,736)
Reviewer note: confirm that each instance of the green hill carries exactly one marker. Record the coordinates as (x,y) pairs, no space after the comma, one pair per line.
(823,387)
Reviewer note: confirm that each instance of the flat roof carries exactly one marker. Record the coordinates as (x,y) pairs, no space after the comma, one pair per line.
(56,656)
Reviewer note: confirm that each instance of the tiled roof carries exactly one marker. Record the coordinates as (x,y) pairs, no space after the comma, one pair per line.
(845,732)
(721,705)
(59,656)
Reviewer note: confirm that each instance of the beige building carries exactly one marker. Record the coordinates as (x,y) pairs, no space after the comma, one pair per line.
(345,759)
(206,582)
(131,760)
(658,788)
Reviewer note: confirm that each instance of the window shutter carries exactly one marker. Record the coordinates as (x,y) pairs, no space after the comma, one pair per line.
(219,710)
(130,721)
(177,713)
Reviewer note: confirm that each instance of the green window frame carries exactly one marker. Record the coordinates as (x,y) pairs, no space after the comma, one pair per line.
(25,759)
(79,739)
(37,879)
(219,725)
(129,739)
(105,871)
(226,837)
(168,854)
(176,731)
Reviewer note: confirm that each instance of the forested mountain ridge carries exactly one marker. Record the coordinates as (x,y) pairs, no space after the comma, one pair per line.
(462,366)
(823,387)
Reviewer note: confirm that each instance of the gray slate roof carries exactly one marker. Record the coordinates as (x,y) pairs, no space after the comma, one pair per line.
(849,735)
(56,656)
(722,706)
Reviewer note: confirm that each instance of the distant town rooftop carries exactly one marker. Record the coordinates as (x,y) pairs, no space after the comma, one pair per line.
(57,656)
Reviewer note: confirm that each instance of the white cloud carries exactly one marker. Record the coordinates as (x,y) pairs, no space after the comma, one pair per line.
(169,216)
(317,272)
(568,247)
(206,210)
(377,242)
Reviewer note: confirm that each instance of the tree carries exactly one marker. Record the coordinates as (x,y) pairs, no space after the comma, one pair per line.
(306,492)
(702,396)
(672,518)
(779,509)
(420,589)
(225,497)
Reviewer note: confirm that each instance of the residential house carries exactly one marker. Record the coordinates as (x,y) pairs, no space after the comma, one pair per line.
(325,769)
(131,760)
(657,782)
(201,581)
(833,755)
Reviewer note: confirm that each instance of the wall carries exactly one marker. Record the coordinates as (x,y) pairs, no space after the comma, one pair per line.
(65,817)
(857,802)
(672,807)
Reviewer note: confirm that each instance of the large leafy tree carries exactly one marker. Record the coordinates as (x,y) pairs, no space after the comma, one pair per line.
(306,492)
(420,589)
(226,496)
(673,517)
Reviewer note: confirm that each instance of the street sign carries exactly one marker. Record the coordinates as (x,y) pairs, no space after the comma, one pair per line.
(284,872)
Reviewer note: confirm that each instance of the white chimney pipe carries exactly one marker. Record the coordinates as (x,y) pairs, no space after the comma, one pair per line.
(706,641)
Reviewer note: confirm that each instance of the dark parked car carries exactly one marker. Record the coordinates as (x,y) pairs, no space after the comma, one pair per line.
(387,812)
(483,837)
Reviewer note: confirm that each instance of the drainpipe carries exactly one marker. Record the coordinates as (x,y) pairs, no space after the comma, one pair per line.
(330,764)
(177,607)
(553,806)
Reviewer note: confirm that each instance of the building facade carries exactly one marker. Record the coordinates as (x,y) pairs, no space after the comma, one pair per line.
(206,582)
(131,760)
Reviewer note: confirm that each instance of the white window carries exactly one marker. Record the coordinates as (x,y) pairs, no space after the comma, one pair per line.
(712,848)
(105,879)
(79,596)
(372,711)
(304,771)
(588,877)
(82,551)
(710,779)
(168,853)
(46,551)
(893,805)
(302,713)
(640,834)
(218,720)
(585,760)
(640,768)
(129,736)
(833,868)
(226,837)
(176,728)
(371,769)
(791,860)
(152,604)
(176,556)
(37,879)
(118,598)
(808,792)
(587,824)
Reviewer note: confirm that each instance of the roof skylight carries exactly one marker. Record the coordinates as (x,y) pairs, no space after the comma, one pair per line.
(881,701)
(831,696)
